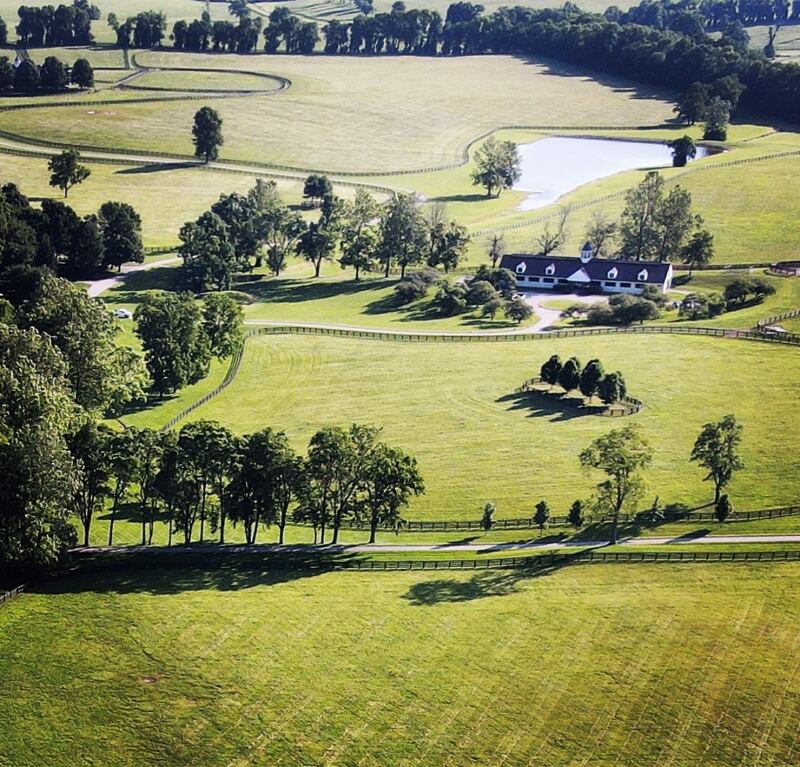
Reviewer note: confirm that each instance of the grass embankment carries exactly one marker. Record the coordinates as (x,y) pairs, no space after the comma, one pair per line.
(684,664)
(454,406)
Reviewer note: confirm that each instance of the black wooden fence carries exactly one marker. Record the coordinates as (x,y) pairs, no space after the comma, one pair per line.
(7,596)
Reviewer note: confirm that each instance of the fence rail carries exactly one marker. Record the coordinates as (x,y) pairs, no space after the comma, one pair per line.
(7,596)
(528,564)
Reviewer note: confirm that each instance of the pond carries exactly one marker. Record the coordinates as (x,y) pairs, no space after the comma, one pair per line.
(555,165)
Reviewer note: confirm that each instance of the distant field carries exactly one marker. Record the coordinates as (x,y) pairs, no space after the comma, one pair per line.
(210,81)
(454,407)
(666,664)
(349,114)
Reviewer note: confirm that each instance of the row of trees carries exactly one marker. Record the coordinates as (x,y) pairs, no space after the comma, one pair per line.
(590,380)
(144,30)
(63,25)
(54,236)
(736,294)
(202,34)
(53,76)
(622,455)
(205,476)
(724,15)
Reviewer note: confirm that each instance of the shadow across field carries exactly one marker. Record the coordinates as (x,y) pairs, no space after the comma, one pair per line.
(158,167)
(181,569)
(541,405)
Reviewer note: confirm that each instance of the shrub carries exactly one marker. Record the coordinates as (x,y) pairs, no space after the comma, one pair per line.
(623,309)
(502,280)
(516,309)
(451,299)
(415,285)
(699,306)
(491,307)
(481,292)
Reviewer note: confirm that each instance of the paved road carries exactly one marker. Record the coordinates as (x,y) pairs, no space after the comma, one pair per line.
(97,287)
(485,548)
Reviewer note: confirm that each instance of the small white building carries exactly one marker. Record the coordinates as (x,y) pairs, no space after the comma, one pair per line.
(587,273)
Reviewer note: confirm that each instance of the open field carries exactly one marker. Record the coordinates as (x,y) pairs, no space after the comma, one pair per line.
(208,81)
(454,407)
(395,117)
(689,665)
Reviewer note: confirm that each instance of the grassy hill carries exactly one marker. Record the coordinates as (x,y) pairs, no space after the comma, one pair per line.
(600,664)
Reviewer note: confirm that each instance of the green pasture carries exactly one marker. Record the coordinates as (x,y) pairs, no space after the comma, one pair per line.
(455,408)
(208,81)
(665,664)
(395,117)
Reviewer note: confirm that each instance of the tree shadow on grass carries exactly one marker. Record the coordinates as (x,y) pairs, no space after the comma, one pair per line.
(539,405)
(158,278)
(163,571)
(280,290)
(473,197)
(158,167)
(490,583)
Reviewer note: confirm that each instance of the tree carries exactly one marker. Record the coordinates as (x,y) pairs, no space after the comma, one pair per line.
(359,239)
(317,244)
(86,254)
(89,447)
(622,455)
(552,239)
(674,221)
(388,479)
(450,299)
(638,230)
(491,307)
(208,256)
(612,388)
(276,227)
(590,378)
(176,347)
(121,228)
(550,371)
(332,477)
(717,450)
(480,292)
(517,309)
(487,520)
(692,104)
(717,117)
(448,244)
(570,376)
(36,470)
(223,324)
(601,233)
(683,150)
(699,251)
(66,171)
(403,236)
(316,188)
(495,248)
(82,74)
(575,515)
(541,515)
(26,77)
(207,449)
(497,166)
(53,75)
(207,134)
(122,456)
(723,508)
(84,332)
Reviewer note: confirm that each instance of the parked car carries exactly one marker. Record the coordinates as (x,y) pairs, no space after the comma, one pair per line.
(123,314)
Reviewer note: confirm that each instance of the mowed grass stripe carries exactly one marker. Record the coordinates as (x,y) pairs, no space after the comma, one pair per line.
(683,665)
(453,406)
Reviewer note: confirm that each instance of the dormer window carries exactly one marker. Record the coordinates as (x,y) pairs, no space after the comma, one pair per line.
(521,267)
(550,270)
(642,276)
(612,273)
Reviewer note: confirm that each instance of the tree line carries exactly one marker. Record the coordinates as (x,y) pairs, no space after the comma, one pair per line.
(52,76)
(651,53)
(49,26)
(621,457)
(53,236)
